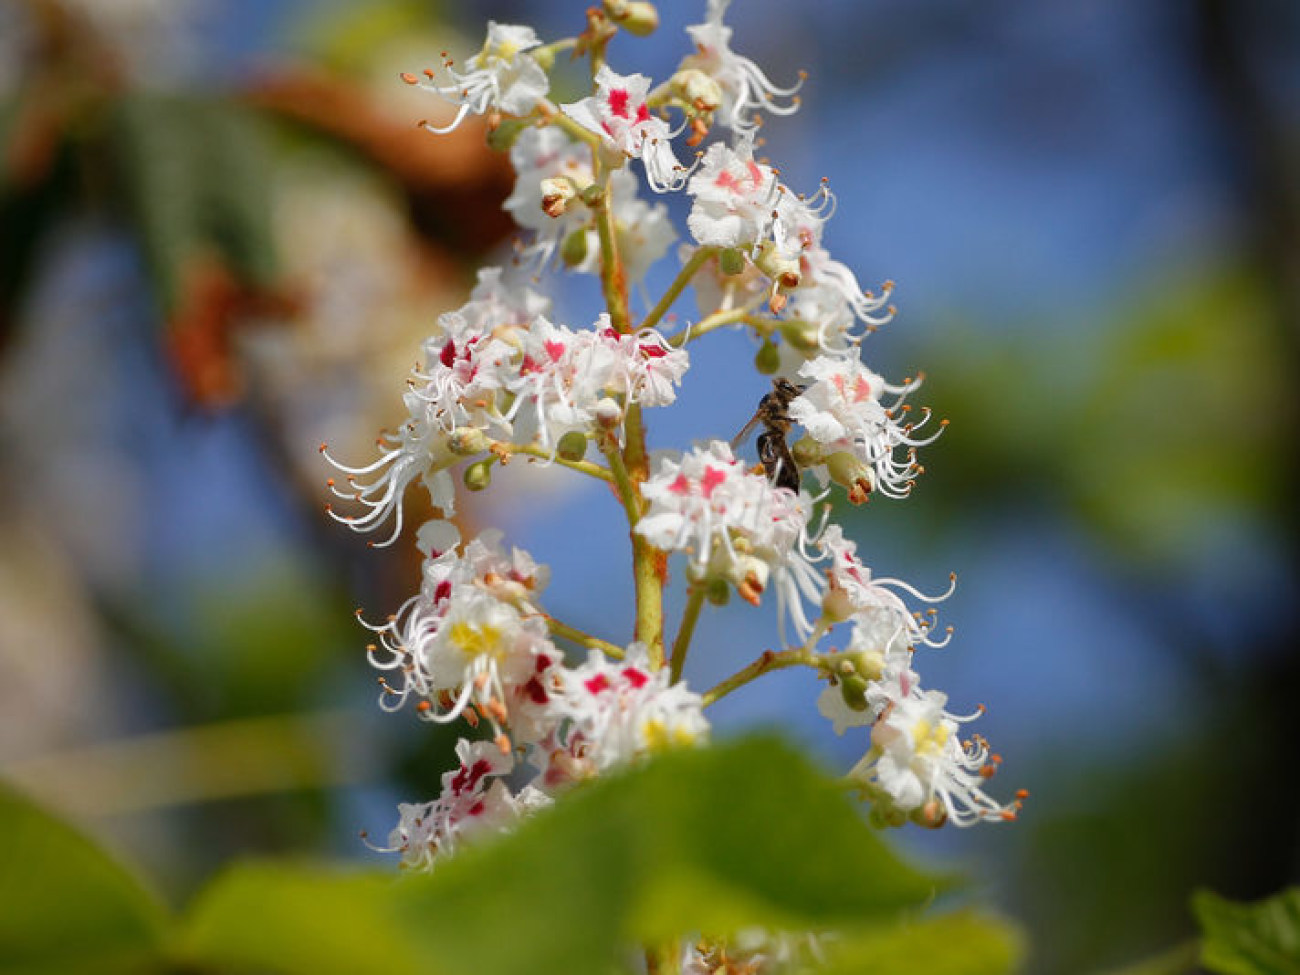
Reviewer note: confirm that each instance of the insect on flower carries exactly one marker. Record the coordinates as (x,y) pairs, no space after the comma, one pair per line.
(774,414)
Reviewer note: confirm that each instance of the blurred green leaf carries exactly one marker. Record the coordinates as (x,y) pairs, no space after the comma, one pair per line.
(284,917)
(713,839)
(65,905)
(195,175)
(955,944)
(1250,939)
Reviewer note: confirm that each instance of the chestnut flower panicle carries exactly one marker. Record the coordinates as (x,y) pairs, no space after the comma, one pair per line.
(503,376)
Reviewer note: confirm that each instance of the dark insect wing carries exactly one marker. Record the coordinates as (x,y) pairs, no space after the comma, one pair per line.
(754,421)
(773,451)
(777,461)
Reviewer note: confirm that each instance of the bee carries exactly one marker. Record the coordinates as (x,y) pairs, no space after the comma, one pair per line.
(773,413)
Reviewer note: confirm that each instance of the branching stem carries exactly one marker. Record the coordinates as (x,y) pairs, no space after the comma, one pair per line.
(582,638)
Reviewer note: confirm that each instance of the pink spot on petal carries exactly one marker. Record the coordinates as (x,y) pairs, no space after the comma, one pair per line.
(681,485)
(555,350)
(617,101)
(711,480)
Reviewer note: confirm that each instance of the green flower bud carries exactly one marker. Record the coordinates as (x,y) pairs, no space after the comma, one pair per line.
(697,89)
(634,16)
(502,136)
(768,359)
(801,335)
(718,592)
(478,475)
(573,251)
(731,261)
(573,445)
(854,691)
(467,441)
(807,452)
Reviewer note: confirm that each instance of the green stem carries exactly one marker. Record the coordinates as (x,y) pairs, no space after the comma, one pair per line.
(682,644)
(582,638)
(768,660)
(613,275)
(649,564)
(554,116)
(581,466)
(706,325)
(679,284)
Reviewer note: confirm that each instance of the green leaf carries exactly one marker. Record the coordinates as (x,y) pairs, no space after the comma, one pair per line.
(157,164)
(196,181)
(299,918)
(713,840)
(955,944)
(65,905)
(1250,939)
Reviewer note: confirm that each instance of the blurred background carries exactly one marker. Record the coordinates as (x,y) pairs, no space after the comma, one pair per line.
(222,239)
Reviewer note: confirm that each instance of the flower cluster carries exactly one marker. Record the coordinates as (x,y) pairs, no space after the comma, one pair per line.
(501,377)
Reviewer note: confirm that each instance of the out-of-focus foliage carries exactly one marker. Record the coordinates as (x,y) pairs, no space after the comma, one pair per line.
(1250,939)
(1171,414)
(695,839)
(65,905)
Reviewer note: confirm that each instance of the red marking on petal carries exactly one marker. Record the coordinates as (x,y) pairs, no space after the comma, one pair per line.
(643,113)
(554,349)
(535,692)
(755,173)
(726,181)
(477,808)
(597,684)
(635,676)
(712,478)
(681,485)
(617,101)
(442,591)
(861,389)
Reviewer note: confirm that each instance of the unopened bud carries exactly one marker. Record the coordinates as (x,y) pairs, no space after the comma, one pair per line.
(503,135)
(768,358)
(781,268)
(717,591)
(847,470)
(802,336)
(467,441)
(697,89)
(806,452)
(731,261)
(556,194)
(634,16)
(854,691)
(573,251)
(478,475)
(608,413)
(931,814)
(573,445)
(544,56)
